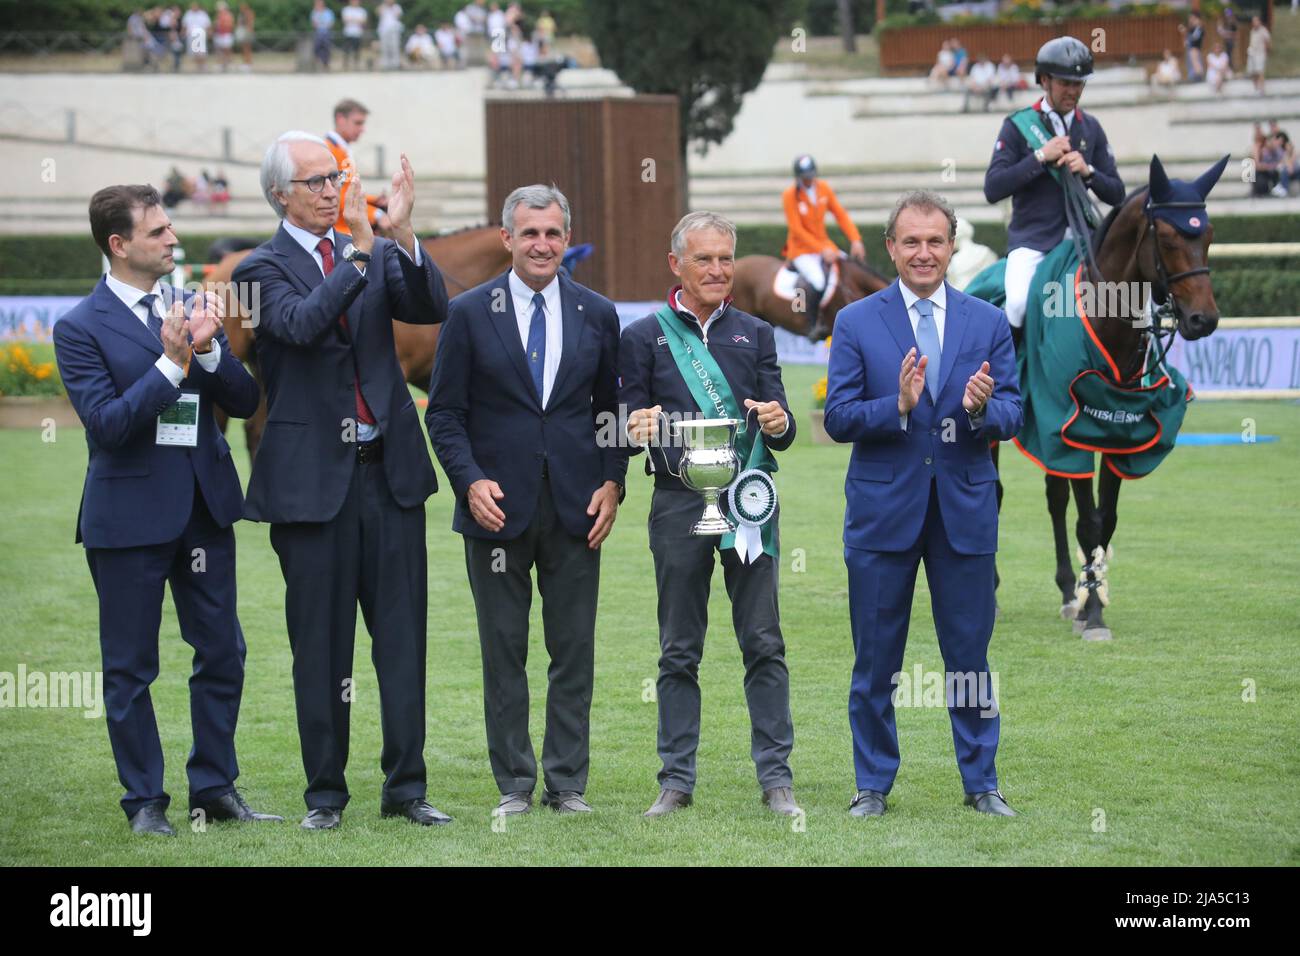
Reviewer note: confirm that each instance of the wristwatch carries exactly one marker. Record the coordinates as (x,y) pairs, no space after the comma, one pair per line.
(1038,155)
(1091,172)
(352,254)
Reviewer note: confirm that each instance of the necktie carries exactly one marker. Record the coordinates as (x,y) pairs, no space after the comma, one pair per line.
(152,318)
(326,249)
(927,341)
(536,349)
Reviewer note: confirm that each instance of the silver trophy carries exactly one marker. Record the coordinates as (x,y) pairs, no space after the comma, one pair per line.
(709,464)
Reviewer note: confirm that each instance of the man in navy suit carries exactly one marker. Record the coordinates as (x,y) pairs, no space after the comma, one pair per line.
(144,368)
(737,353)
(343,471)
(921,379)
(526,373)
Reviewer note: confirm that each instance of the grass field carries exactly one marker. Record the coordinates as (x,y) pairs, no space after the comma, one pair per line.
(1138,751)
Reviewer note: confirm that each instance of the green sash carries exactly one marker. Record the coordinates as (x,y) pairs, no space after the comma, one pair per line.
(1029,122)
(709,387)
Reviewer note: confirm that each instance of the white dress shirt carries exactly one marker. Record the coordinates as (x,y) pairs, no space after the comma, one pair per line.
(131,297)
(939,308)
(522,298)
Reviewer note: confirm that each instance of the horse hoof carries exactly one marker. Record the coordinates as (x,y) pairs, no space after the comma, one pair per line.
(1096,634)
(1068,611)
(1079,624)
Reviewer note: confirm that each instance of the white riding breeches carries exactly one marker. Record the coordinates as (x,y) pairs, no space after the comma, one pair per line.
(1021,264)
(811,267)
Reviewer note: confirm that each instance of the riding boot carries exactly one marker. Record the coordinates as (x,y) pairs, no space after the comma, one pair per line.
(816,330)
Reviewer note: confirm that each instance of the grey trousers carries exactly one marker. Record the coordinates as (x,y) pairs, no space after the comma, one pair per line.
(568,578)
(683,572)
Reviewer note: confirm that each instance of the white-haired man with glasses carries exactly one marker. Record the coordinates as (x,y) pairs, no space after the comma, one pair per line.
(342,472)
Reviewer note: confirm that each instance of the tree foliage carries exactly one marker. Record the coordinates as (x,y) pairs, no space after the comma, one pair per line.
(708,54)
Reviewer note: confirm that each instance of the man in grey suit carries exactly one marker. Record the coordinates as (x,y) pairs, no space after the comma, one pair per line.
(526,369)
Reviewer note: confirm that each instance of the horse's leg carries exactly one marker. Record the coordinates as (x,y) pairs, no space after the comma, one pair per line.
(1108,504)
(1058,501)
(1090,597)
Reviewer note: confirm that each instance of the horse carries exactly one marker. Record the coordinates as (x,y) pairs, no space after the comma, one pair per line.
(465,258)
(1135,247)
(754,291)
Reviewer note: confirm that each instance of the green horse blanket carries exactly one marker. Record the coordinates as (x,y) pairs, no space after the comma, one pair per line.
(1075,405)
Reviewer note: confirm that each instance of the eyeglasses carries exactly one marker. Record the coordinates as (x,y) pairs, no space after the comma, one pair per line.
(317,183)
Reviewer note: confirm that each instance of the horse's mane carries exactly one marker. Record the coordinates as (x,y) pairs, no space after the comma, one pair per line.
(867,268)
(1099,236)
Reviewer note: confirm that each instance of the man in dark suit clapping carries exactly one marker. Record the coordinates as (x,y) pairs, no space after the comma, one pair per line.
(343,471)
(526,368)
(144,368)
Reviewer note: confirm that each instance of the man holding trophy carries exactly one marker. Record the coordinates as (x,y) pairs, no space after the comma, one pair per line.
(710,370)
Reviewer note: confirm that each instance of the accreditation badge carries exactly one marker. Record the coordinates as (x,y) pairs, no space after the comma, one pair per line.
(179,422)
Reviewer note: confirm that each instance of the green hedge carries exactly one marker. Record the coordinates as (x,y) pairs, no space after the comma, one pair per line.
(69,265)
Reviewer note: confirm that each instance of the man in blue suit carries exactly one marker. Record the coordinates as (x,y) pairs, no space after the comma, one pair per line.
(343,470)
(144,368)
(921,379)
(526,373)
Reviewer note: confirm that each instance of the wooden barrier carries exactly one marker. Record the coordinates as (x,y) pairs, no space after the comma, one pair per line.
(616,160)
(909,49)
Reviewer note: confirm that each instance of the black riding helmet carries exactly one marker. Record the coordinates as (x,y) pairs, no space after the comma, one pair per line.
(1065,58)
(804,166)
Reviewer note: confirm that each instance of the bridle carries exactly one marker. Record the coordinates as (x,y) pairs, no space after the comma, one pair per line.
(1165,310)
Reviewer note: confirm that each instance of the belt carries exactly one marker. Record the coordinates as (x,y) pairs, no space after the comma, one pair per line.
(371,451)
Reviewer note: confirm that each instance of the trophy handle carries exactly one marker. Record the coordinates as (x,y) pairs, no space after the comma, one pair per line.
(668,425)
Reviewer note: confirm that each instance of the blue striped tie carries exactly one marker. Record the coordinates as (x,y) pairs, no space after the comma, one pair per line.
(927,341)
(537,342)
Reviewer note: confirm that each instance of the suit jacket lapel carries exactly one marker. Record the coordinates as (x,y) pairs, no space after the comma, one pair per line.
(300,262)
(896,320)
(124,321)
(573,312)
(507,329)
(954,331)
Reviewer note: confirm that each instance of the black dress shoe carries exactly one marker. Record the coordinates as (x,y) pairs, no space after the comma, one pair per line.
(152,819)
(565,801)
(868,803)
(323,818)
(230,806)
(417,811)
(991,802)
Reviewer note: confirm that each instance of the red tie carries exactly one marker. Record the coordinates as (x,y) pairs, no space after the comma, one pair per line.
(326,250)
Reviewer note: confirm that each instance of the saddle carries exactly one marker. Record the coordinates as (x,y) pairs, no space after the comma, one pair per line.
(787,282)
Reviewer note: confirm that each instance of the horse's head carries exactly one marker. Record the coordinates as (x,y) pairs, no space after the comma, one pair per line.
(1177,242)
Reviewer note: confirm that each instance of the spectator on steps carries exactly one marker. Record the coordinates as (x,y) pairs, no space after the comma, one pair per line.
(322,25)
(1257,52)
(960,59)
(1009,79)
(1218,69)
(448,42)
(1193,38)
(195,25)
(982,82)
(943,64)
(244,35)
(389,19)
(1167,75)
(223,34)
(354,17)
(419,48)
(1227,29)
